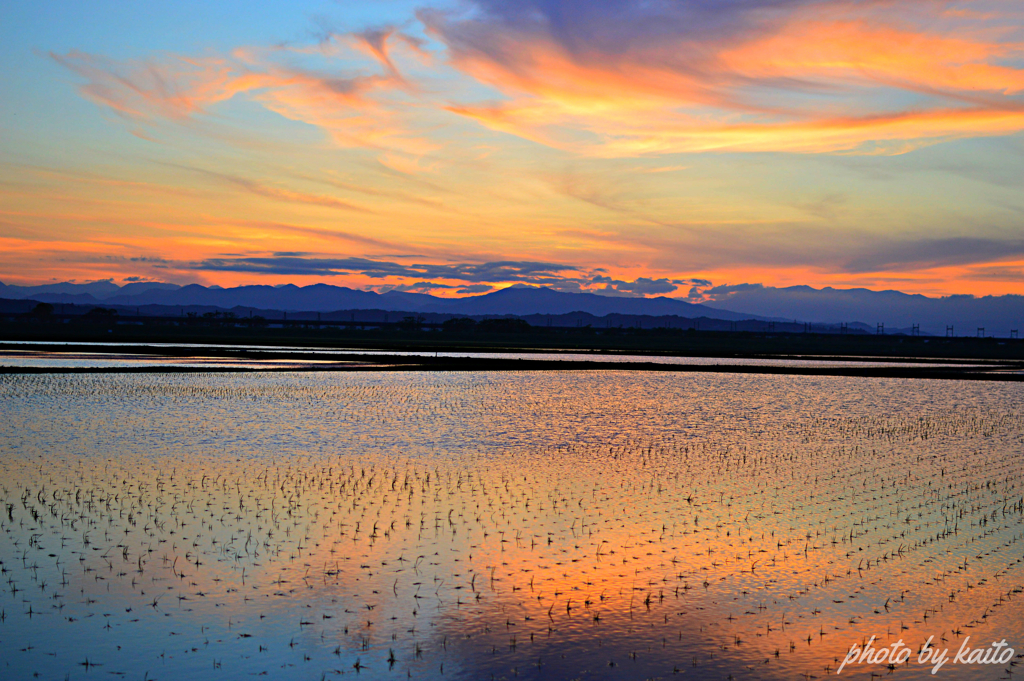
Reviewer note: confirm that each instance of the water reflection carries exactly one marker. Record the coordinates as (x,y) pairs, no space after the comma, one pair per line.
(531,525)
(63,355)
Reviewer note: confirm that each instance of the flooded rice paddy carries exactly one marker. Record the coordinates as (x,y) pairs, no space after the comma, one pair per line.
(124,360)
(69,355)
(551,525)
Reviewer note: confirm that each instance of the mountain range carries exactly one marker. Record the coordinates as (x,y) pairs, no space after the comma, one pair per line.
(516,300)
(968,315)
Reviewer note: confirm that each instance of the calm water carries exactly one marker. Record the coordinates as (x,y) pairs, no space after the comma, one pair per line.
(65,355)
(590,525)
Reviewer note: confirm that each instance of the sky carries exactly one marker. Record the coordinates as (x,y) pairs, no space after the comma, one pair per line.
(643,147)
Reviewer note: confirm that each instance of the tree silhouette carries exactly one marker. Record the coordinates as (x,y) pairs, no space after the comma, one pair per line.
(42,311)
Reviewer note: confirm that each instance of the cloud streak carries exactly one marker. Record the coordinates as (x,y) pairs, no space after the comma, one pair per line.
(475,277)
(349,104)
(501,271)
(612,78)
(539,142)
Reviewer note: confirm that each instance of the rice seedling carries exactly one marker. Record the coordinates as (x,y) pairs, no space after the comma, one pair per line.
(596,525)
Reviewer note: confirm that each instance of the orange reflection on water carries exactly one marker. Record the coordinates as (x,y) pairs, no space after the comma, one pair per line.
(331,522)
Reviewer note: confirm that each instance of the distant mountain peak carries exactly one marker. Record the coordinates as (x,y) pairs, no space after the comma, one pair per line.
(517,299)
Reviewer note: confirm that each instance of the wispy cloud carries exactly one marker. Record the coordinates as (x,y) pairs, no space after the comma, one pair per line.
(539,142)
(348,104)
(1008,273)
(321,233)
(478,277)
(503,271)
(611,78)
(281,194)
(931,252)
(429,286)
(642,286)
(616,78)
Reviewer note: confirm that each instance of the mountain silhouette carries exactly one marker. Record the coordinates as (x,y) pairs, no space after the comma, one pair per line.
(517,300)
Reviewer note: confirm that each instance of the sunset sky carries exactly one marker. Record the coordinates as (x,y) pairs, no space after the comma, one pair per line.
(630,147)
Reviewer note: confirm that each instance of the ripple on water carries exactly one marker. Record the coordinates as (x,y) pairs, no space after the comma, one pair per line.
(533,525)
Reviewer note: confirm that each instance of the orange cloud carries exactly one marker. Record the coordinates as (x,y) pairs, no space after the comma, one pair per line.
(176,90)
(878,133)
(179,89)
(588,83)
(812,79)
(595,82)
(860,52)
(293,196)
(807,84)
(380,44)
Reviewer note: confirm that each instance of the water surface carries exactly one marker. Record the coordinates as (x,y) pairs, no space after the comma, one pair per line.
(539,525)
